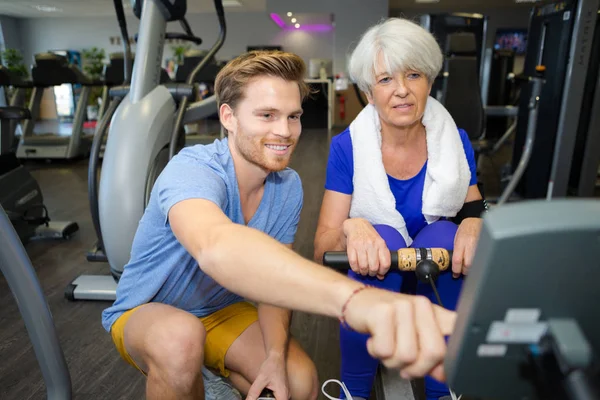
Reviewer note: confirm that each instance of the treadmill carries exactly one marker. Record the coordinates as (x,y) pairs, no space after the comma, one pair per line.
(20,194)
(9,140)
(54,70)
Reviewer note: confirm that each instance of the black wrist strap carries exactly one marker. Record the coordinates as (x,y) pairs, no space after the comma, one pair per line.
(472,209)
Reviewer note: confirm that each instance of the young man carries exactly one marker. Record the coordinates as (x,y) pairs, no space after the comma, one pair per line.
(219,228)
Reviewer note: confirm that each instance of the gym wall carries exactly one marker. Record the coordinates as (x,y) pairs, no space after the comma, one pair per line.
(10,32)
(352,18)
(243,29)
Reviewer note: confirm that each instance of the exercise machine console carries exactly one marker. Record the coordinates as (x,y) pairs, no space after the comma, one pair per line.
(528,321)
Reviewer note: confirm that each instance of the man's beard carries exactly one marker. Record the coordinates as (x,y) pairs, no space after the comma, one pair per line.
(256,153)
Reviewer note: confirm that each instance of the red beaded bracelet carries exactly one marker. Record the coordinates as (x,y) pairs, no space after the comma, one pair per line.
(343,316)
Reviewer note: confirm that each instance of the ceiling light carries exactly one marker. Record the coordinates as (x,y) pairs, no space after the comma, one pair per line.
(47,8)
(297,26)
(294,20)
(289,13)
(427,1)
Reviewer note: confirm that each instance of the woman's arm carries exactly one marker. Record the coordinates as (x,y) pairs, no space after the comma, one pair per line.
(467,235)
(473,194)
(329,236)
(367,251)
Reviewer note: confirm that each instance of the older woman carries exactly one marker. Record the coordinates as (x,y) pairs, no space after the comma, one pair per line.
(401,175)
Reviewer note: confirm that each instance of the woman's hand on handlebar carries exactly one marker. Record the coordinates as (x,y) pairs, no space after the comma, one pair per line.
(406,332)
(367,251)
(465,243)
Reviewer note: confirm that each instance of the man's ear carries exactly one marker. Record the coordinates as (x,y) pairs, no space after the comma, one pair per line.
(227,117)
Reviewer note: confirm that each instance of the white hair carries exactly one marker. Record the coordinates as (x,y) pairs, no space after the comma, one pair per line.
(403,44)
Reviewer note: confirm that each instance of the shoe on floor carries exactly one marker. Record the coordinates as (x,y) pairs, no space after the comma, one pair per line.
(218,388)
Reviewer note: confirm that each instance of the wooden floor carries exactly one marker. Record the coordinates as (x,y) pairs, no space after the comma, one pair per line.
(96,369)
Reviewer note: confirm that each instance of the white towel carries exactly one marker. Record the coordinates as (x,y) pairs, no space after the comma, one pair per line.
(447,175)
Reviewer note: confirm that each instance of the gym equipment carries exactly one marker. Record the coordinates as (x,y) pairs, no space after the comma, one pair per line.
(536,89)
(9,141)
(407,259)
(427,263)
(461,94)
(114,73)
(54,70)
(527,323)
(20,194)
(209,128)
(501,68)
(586,157)
(444,24)
(143,136)
(560,38)
(24,284)
(193,58)
(463,101)
(522,345)
(500,91)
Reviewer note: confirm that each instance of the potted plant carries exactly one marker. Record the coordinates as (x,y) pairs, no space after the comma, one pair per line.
(93,65)
(179,53)
(13,60)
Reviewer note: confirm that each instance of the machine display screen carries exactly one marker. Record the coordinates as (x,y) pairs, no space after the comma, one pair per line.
(511,39)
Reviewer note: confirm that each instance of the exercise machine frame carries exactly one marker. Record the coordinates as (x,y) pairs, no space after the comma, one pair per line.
(145,132)
(24,284)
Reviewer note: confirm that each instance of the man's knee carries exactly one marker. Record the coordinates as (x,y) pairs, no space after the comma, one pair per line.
(302,376)
(176,350)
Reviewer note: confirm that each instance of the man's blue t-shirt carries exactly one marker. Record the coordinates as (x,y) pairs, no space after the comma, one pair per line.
(408,193)
(160,268)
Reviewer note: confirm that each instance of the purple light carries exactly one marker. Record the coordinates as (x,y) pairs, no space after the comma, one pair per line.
(277,19)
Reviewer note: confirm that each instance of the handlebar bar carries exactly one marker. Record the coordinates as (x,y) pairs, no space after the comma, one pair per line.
(405,259)
(427,263)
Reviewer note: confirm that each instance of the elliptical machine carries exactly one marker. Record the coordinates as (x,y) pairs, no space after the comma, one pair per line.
(146,130)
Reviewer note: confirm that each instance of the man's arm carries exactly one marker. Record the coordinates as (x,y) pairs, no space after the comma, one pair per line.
(275,326)
(254,265)
(334,211)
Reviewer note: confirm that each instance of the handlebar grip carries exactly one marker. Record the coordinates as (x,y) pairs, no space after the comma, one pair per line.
(402,260)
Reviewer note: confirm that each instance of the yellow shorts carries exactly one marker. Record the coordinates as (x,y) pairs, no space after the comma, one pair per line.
(222,329)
